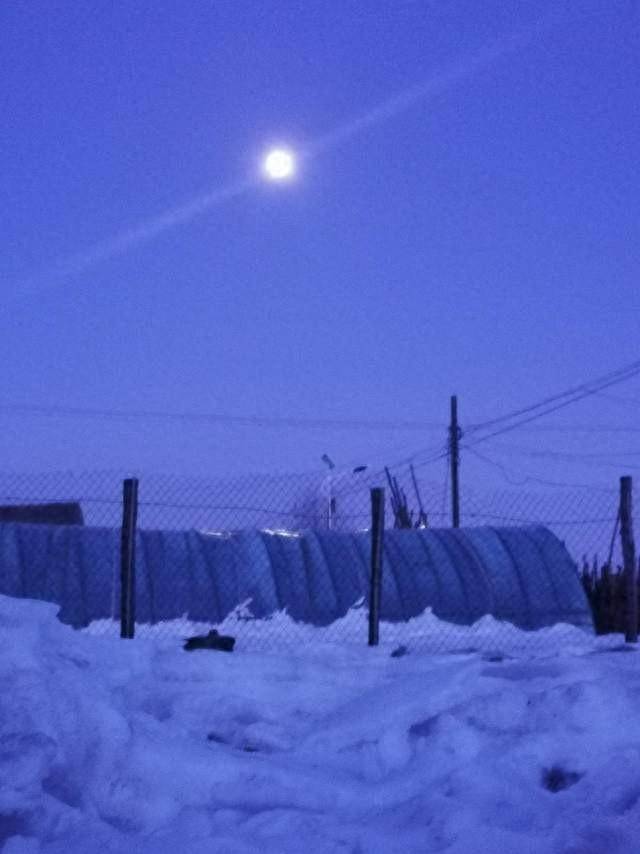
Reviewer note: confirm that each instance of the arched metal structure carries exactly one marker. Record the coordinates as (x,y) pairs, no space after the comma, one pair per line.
(522,575)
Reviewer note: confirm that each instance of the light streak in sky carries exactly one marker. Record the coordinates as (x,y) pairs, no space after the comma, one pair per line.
(120,243)
(440,81)
(153,227)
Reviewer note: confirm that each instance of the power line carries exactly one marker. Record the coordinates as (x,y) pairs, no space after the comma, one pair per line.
(437,453)
(559,456)
(562,399)
(579,456)
(537,411)
(525,478)
(222,418)
(55,411)
(580,428)
(545,407)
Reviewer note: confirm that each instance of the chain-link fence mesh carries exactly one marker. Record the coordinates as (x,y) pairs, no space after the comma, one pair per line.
(265,536)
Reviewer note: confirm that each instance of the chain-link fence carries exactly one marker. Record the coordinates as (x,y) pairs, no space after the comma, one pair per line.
(285,560)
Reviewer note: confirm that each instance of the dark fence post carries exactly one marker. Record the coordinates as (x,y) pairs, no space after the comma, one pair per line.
(454,462)
(128,558)
(377,533)
(629,560)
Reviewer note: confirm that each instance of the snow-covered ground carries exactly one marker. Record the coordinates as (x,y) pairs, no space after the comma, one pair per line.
(137,746)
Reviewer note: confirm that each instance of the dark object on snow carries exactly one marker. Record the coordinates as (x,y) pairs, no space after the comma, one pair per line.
(211,641)
(247,747)
(424,729)
(555,779)
(494,657)
(64,513)
(399,651)
(606,589)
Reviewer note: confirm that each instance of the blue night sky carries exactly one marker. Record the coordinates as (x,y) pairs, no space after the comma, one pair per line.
(481,238)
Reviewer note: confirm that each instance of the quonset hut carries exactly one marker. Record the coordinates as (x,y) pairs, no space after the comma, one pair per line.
(522,575)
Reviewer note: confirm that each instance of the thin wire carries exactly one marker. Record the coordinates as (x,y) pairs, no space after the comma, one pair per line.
(241,420)
(533,452)
(434,459)
(582,390)
(561,400)
(548,411)
(613,537)
(598,521)
(533,479)
(580,428)
(562,457)
(565,399)
(379,473)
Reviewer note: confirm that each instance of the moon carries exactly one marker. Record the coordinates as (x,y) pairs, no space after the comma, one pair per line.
(279,164)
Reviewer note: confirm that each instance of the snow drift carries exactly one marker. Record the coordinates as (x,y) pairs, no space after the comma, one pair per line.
(136,746)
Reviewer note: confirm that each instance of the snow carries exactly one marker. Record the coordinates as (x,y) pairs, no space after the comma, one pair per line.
(106,745)
(425,633)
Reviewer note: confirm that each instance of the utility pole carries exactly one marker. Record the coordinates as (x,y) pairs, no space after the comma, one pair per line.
(454,460)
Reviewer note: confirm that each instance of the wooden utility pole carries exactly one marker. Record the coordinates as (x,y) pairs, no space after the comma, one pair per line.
(629,559)
(454,460)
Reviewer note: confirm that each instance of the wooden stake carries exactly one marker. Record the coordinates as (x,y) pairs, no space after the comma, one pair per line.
(454,459)
(629,559)
(128,558)
(377,533)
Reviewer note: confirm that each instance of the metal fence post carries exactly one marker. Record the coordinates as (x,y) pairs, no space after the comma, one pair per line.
(629,559)
(128,558)
(377,533)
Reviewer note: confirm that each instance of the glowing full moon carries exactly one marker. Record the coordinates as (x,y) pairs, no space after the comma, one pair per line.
(279,164)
